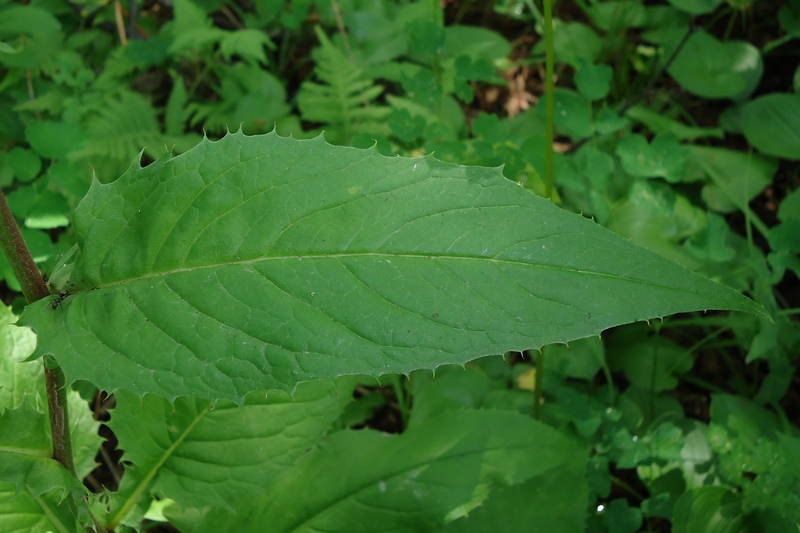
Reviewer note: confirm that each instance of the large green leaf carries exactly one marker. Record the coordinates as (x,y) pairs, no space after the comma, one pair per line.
(201,455)
(22,513)
(734,178)
(712,509)
(22,395)
(435,472)
(555,501)
(711,68)
(17,380)
(26,454)
(255,263)
(770,123)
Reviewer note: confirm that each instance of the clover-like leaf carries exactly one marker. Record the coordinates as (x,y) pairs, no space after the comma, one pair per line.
(711,68)
(255,263)
(664,157)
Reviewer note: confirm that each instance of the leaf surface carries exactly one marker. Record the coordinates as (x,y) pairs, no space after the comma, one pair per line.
(26,454)
(22,513)
(770,124)
(201,455)
(555,501)
(255,263)
(433,473)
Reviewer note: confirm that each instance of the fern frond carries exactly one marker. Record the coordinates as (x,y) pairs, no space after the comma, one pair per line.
(248,97)
(343,100)
(125,125)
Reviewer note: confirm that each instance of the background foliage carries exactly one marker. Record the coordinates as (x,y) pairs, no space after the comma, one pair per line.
(678,128)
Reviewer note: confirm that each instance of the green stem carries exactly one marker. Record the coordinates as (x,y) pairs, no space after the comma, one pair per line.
(702,383)
(399,392)
(653,372)
(337,13)
(34,288)
(769,47)
(620,483)
(537,387)
(549,89)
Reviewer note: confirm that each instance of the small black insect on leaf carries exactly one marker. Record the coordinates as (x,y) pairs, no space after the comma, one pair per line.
(60,298)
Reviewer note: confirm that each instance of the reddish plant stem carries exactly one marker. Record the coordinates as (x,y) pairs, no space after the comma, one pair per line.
(34,288)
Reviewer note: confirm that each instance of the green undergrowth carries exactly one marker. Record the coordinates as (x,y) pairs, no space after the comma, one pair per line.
(290,327)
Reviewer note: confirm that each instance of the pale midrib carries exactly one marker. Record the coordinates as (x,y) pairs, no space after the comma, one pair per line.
(144,483)
(350,255)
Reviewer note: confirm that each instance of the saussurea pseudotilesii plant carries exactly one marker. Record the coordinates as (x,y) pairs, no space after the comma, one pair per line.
(629,182)
(257,264)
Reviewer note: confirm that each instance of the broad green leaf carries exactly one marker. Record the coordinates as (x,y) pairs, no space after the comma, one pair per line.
(573,113)
(710,68)
(734,177)
(255,263)
(571,41)
(50,210)
(783,238)
(25,163)
(426,39)
(459,72)
(664,157)
(596,166)
(710,509)
(28,20)
(616,16)
(652,364)
(437,471)
(198,454)
(593,81)
(608,121)
(656,217)
(640,409)
(789,18)
(16,378)
(52,139)
(770,123)
(22,513)
(556,502)
(26,454)
(790,206)
(475,42)
(24,421)
(39,244)
(405,126)
(665,25)
(620,517)
(713,244)
(582,359)
(454,388)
